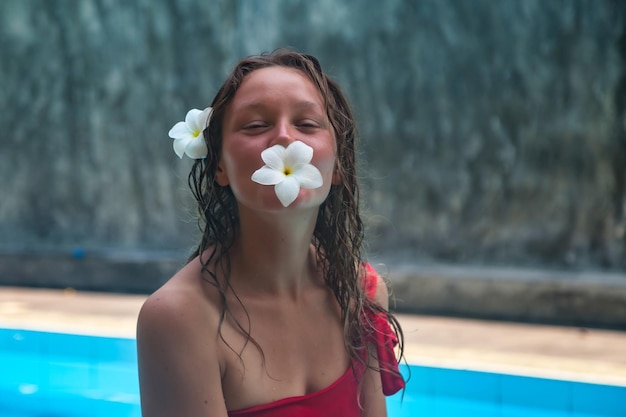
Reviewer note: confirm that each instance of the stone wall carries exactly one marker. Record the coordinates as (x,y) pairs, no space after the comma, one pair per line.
(492,132)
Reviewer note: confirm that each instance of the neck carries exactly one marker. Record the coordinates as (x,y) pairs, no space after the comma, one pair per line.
(272,251)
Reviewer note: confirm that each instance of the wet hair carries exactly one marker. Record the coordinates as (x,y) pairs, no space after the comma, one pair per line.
(338,233)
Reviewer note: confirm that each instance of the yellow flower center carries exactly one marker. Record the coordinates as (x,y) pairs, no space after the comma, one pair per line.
(196,133)
(287,171)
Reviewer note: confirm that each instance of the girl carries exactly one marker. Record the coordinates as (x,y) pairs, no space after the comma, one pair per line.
(275,313)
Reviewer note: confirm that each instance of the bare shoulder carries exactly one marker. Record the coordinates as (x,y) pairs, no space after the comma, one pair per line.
(179,363)
(178,303)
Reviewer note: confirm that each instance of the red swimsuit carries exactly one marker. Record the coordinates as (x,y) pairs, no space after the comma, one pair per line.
(340,398)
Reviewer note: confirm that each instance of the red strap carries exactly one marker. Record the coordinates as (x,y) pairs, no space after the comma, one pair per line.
(370,280)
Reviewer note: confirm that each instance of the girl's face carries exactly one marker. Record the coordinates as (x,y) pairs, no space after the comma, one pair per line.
(274,105)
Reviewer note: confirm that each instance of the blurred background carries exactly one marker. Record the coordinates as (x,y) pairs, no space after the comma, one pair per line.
(492,140)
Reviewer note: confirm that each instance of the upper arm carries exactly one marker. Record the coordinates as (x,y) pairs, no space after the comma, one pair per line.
(374,403)
(179,368)
(381,297)
(375,287)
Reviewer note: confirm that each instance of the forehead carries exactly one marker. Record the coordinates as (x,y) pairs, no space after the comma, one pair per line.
(276,84)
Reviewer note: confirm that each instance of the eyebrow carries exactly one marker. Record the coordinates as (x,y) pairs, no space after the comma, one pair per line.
(305,104)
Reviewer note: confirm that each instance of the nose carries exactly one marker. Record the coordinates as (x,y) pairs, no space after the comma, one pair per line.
(285,133)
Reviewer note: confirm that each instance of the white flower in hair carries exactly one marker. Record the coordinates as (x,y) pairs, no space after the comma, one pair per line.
(187,135)
(288,170)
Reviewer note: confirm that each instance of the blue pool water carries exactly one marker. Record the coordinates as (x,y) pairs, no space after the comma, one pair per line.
(62,375)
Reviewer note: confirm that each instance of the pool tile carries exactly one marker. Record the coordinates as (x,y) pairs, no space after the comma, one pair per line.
(601,400)
(116,350)
(410,406)
(117,409)
(70,346)
(536,393)
(478,386)
(461,407)
(24,405)
(20,369)
(21,341)
(69,376)
(507,410)
(421,379)
(119,378)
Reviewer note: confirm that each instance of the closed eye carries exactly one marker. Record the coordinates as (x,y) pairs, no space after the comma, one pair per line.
(308,124)
(255,125)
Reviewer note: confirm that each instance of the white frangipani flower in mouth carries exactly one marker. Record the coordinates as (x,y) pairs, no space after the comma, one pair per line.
(187,135)
(288,170)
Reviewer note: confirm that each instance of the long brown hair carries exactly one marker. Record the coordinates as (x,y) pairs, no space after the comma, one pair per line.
(338,233)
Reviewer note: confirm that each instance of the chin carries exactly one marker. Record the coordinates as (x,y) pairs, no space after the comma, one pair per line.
(266,200)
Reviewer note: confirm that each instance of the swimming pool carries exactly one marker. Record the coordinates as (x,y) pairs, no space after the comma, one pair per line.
(64,375)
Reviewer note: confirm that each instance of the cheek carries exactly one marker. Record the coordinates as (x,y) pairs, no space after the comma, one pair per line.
(238,166)
(242,158)
(324,159)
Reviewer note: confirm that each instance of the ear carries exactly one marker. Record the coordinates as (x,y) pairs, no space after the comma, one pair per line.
(220,175)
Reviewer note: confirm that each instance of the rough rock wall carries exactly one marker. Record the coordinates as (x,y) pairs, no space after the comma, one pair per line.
(491,132)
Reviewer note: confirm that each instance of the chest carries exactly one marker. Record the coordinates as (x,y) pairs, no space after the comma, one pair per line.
(275,350)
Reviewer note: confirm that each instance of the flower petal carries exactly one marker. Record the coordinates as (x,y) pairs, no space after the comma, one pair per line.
(180,131)
(308,176)
(192,119)
(179,146)
(273,157)
(297,153)
(203,118)
(196,149)
(267,176)
(287,190)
